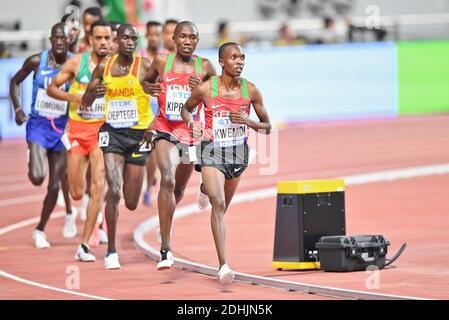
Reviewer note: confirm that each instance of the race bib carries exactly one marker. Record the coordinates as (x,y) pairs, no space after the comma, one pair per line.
(49,107)
(177,95)
(95,111)
(228,134)
(122,113)
(103,139)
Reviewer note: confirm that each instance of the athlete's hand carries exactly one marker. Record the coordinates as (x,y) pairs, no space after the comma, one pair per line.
(100,90)
(148,138)
(238,117)
(194,80)
(196,129)
(20,117)
(154,89)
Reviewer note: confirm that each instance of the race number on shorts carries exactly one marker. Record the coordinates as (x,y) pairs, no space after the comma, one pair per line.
(103,139)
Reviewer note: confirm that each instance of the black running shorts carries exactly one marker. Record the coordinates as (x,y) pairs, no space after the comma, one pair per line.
(231,161)
(125,142)
(182,147)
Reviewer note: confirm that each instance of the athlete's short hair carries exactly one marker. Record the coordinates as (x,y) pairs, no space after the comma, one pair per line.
(153,23)
(99,23)
(124,27)
(224,46)
(59,25)
(93,11)
(169,21)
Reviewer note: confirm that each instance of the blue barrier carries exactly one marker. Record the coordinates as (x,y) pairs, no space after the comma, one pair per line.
(304,83)
(8,127)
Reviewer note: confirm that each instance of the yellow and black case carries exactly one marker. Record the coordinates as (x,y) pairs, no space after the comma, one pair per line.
(305,211)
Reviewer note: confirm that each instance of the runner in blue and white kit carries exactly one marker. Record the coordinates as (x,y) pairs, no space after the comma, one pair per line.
(45,128)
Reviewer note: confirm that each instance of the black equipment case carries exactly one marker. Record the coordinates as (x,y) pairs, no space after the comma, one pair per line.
(352,253)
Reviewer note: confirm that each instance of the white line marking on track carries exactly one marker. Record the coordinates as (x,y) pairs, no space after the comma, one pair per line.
(26,223)
(151,223)
(44,286)
(381,176)
(21,200)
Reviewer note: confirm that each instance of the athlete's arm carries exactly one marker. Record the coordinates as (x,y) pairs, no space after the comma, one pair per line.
(209,68)
(261,126)
(198,93)
(31,64)
(95,88)
(66,74)
(209,71)
(150,84)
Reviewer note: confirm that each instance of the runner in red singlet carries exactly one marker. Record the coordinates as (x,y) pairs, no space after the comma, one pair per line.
(180,73)
(224,150)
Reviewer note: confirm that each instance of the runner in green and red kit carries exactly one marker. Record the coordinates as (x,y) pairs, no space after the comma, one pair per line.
(224,150)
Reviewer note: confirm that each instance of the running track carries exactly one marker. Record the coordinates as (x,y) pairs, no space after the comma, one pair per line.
(412,210)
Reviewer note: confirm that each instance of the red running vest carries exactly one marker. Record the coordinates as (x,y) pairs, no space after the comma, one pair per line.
(219,127)
(175,93)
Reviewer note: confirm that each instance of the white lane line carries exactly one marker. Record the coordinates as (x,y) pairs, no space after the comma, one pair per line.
(21,200)
(381,176)
(44,286)
(147,225)
(26,223)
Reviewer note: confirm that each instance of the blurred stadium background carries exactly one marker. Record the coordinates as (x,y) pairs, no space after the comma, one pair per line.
(314,60)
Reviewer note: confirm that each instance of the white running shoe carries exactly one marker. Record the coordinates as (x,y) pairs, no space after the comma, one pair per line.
(111,261)
(60,202)
(83,208)
(103,236)
(40,239)
(202,200)
(69,230)
(83,254)
(225,274)
(166,261)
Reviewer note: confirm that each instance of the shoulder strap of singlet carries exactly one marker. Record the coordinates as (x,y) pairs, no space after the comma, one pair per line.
(244,83)
(136,66)
(214,87)
(108,65)
(84,66)
(198,66)
(44,58)
(169,64)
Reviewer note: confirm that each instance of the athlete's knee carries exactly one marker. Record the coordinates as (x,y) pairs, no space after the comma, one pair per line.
(53,187)
(179,193)
(131,204)
(114,194)
(168,182)
(96,188)
(36,177)
(76,193)
(218,204)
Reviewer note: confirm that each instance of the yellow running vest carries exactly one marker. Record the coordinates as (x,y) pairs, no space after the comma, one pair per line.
(127,104)
(93,113)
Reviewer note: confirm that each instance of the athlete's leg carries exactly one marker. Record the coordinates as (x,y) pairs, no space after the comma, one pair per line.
(183,174)
(114,167)
(132,184)
(37,169)
(96,165)
(77,167)
(151,170)
(65,193)
(220,193)
(57,167)
(168,159)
